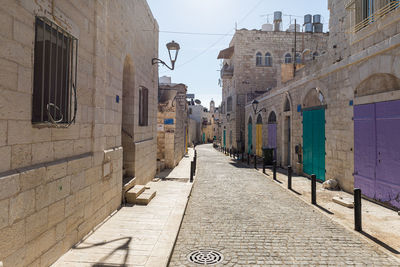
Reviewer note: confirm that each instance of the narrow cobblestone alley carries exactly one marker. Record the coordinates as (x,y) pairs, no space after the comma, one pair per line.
(254,222)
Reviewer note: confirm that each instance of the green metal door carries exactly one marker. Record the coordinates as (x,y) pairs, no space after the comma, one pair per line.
(224,138)
(250,138)
(314,143)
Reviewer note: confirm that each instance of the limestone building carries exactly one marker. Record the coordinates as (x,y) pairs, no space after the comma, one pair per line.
(78,105)
(339,117)
(254,64)
(172,124)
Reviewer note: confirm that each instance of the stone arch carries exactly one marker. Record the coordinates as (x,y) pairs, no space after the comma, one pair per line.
(287,103)
(259,119)
(314,98)
(272,117)
(250,120)
(377,83)
(128,122)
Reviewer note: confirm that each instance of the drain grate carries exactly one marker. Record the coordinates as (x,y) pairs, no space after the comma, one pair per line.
(205,257)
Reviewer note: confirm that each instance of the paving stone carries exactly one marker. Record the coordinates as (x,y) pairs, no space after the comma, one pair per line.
(253,221)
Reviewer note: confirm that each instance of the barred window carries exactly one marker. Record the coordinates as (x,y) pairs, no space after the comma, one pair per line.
(143,106)
(298,58)
(288,58)
(55,72)
(268,60)
(258,59)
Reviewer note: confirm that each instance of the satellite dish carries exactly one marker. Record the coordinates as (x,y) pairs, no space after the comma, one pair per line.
(198,102)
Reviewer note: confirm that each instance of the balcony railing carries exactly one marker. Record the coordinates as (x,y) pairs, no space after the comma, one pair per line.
(227,72)
(377,15)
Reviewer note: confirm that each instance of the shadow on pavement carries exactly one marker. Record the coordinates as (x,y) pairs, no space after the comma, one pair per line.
(381,243)
(323,209)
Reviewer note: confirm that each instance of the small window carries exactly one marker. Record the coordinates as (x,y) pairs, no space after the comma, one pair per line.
(143,106)
(298,58)
(272,117)
(268,60)
(258,59)
(229,104)
(288,58)
(55,72)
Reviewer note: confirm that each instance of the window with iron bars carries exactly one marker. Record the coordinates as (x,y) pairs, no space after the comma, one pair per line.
(55,74)
(143,106)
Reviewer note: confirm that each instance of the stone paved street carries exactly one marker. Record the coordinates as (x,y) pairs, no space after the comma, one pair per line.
(254,222)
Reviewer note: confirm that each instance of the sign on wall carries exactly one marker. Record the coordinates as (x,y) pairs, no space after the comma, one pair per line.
(160,127)
(168,121)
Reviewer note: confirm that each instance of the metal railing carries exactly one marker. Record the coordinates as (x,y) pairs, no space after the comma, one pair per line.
(377,15)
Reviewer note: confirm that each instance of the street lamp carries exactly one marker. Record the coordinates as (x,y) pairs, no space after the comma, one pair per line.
(255,107)
(173,50)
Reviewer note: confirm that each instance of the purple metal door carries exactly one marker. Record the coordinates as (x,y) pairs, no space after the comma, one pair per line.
(272,137)
(365,149)
(388,153)
(377,151)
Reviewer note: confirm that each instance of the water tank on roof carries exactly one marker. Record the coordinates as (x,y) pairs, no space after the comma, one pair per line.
(308,27)
(317,18)
(267,27)
(307,18)
(277,16)
(293,26)
(318,27)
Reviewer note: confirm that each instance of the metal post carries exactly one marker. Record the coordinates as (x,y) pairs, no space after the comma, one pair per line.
(264,164)
(195,164)
(191,171)
(243,156)
(248,158)
(314,189)
(255,161)
(357,210)
(274,170)
(289,177)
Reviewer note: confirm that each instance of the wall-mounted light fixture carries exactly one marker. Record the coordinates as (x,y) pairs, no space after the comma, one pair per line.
(255,107)
(173,50)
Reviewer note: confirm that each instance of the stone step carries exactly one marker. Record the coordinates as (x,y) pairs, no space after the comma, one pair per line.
(346,202)
(133,193)
(129,182)
(145,197)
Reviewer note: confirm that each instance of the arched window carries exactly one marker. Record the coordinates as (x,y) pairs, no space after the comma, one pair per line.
(288,58)
(298,58)
(259,119)
(315,55)
(268,60)
(250,120)
(258,59)
(272,117)
(229,104)
(287,105)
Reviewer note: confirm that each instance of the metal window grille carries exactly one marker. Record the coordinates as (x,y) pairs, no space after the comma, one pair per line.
(288,58)
(368,11)
(55,74)
(143,106)
(258,59)
(268,60)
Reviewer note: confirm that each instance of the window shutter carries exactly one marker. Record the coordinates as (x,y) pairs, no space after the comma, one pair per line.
(146,107)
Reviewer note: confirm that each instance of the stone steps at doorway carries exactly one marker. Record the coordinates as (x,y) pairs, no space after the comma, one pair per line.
(133,193)
(145,197)
(128,183)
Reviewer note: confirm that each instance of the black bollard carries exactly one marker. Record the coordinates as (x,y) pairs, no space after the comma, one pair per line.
(191,171)
(274,170)
(357,210)
(230,152)
(255,162)
(289,177)
(248,158)
(242,156)
(264,164)
(195,164)
(314,189)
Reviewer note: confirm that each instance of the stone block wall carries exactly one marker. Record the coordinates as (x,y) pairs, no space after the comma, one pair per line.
(56,184)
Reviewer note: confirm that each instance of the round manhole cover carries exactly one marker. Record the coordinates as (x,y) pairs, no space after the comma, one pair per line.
(205,257)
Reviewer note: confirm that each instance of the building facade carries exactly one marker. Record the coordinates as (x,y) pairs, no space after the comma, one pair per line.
(78,107)
(253,65)
(339,117)
(172,124)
